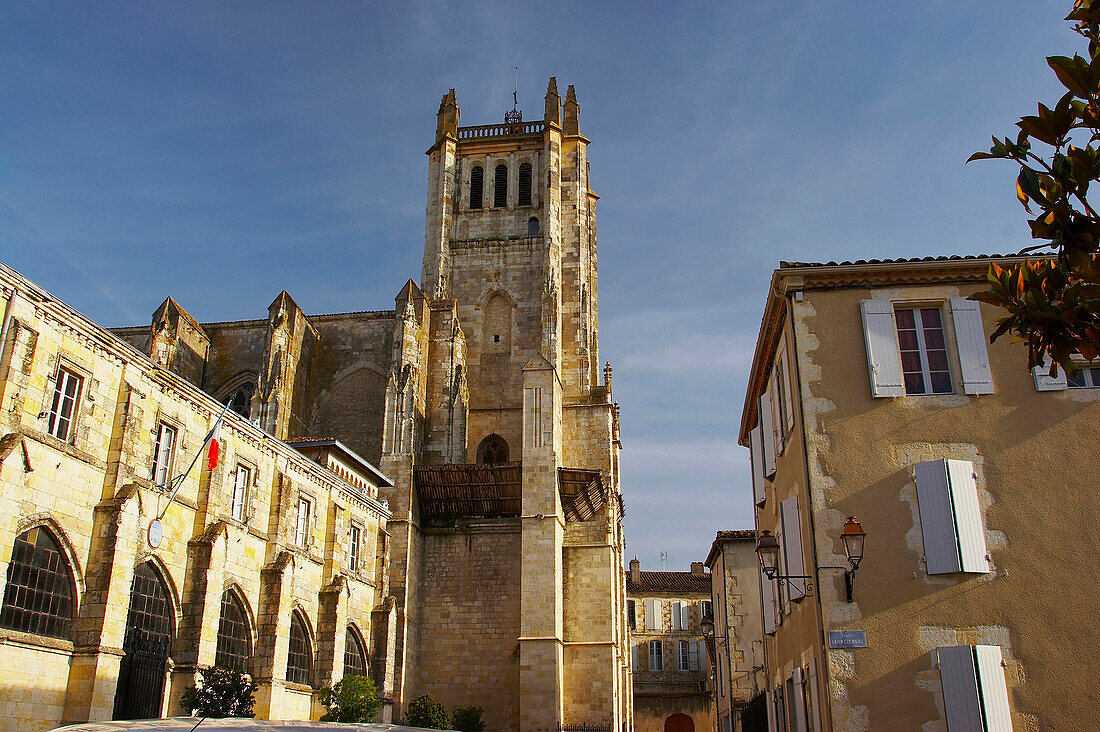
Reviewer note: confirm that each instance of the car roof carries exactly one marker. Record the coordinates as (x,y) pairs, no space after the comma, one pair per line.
(195,724)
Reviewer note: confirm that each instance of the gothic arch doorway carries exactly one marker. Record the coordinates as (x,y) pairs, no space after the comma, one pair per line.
(149,632)
(679,723)
(493,450)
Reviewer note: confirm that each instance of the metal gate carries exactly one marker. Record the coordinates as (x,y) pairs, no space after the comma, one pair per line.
(754,715)
(141,676)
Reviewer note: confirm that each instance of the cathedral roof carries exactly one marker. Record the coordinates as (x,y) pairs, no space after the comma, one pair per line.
(669,582)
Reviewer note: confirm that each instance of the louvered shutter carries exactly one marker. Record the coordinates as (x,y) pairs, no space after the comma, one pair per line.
(1045,382)
(937,520)
(991,679)
(685,616)
(815,700)
(968,516)
(959,678)
(767,601)
(772,699)
(792,546)
(883,357)
(756,447)
(788,390)
(651,617)
(677,615)
(636,656)
(973,354)
(767,433)
(799,700)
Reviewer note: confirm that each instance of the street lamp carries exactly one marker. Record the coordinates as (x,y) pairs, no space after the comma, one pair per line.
(853,536)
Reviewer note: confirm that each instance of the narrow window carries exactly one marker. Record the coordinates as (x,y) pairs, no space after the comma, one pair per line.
(301,534)
(533,226)
(38,597)
(63,408)
(500,186)
(234,636)
(525,184)
(685,655)
(241,481)
(163,454)
(923,351)
(477,185)
(353,548)
(706,609)
(656,659)
(355,656)
(299,660)
(631,615)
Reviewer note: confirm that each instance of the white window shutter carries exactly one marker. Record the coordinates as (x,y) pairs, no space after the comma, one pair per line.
(994,698)
(677,616)
(756,445)
(937,521)
(968,516)
(815,700)
(973,353)
(685,616)
(636,664)
(799,700)
(792,545)
(959,678)
(767,601)
(767,429)
(651,619)
(1045,382)
(883,357)
(788,391)
(693,651)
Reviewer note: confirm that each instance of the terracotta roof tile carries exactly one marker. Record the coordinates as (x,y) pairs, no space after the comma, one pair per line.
(669,582)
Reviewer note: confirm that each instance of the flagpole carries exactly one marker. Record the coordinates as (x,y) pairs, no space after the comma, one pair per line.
(178,480)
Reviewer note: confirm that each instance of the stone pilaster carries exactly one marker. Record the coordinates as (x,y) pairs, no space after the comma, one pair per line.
(273,634)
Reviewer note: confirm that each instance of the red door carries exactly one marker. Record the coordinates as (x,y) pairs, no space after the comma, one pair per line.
(679,723)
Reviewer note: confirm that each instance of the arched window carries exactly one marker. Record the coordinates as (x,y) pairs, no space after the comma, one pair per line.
(493,450)
(299,661)
(533,226)
(38,597)
(234,636)
(241,402)
(500,186)
(355,656)
(525,184)
(477,185)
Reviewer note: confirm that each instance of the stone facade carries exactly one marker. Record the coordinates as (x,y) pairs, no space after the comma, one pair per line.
(92,490)
(958,462)
(736,649)
(673,680)
(480,396)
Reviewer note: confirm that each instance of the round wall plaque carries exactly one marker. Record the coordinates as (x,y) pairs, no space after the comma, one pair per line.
(156,533)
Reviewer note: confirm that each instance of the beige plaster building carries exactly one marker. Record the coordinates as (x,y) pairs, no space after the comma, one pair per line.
(665,610)
(269,562)
(482,397)
(874,392)
(736,646)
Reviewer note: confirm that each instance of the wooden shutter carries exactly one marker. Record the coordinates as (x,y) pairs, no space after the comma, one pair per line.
(651,616)
(636,664)
(968,516)
(792,545)
(685,616)
(696,654)
(799,700)
(788,392)
(937,518)
(973,354)
(767,433)
(815,700)
(959,678)
(756,448)
(767,602)
(883,357)
(1045,382)
(677,615)
(994,691)
(772,699)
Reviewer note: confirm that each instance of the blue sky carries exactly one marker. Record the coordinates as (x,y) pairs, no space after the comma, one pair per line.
(221,152)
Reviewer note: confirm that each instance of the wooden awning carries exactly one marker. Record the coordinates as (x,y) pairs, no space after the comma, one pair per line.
(469,490)
(582,493)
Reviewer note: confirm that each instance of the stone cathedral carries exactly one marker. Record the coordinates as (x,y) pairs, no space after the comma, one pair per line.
(482,399)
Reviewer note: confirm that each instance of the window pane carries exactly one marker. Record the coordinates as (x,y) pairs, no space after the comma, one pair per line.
(355,657)
(1076,381)
(937,360)
(299,663)
(914,383)
(234,637)
(905,320)
(907,339)
(910,361)
(930,317)
(941,383)
(38,594)
(933,338)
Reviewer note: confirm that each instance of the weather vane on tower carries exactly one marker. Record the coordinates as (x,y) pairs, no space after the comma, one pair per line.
(515,115)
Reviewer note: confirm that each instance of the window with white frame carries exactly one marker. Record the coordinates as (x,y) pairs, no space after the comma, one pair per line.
(631,615)
(164,454)
(923,348)
(706,609)
(975,695)
(684,648)
(353,547)
(301,533)
(679,615)
(1087,377)
(63,407)
(242,479)
(656,656)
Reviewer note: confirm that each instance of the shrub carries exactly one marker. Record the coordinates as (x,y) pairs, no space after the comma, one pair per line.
(424,711)
(220,692)
(352,699)
(467,719)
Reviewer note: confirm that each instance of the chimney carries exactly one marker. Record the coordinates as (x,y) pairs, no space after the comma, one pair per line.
(697,569)
(635,571)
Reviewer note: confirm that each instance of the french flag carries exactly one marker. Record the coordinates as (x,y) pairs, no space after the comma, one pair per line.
(215,446)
